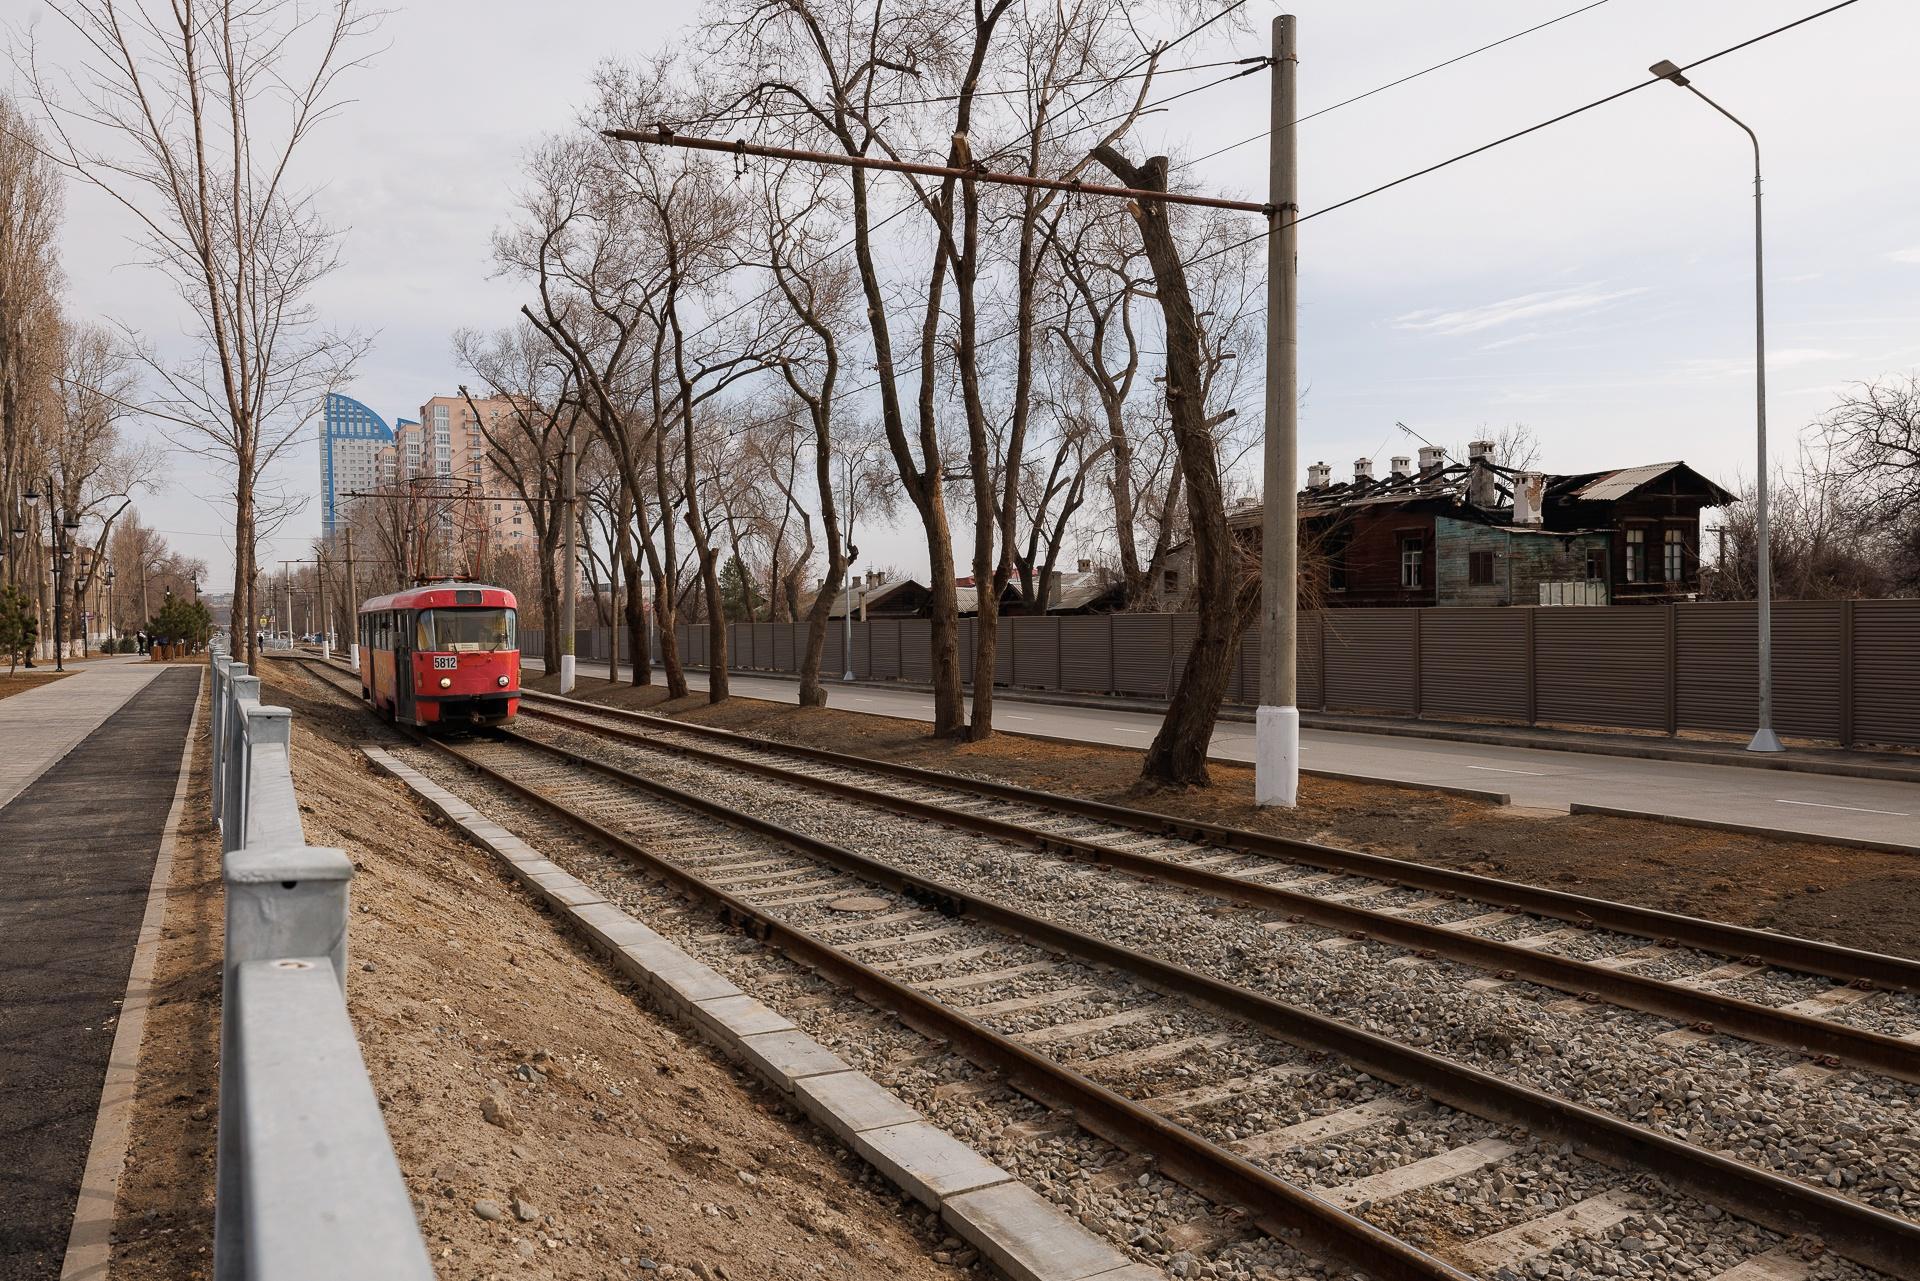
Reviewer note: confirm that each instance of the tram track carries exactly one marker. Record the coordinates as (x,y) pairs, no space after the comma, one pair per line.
(1506,1125)
(1193,859)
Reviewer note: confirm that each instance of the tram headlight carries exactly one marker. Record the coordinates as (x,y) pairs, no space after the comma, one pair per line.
(503,682)
(446,682)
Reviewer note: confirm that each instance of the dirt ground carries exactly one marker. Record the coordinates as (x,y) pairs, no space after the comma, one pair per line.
(1857,897)
(22,681)
(626,1148)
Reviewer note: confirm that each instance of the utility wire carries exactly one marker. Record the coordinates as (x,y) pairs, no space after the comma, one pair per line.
(1391,84)
(1130,72)
(1103,81)
(1568,115)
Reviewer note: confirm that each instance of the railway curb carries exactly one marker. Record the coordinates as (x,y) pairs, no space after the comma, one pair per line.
(1745,829)
(1023,1234)
(1529,737)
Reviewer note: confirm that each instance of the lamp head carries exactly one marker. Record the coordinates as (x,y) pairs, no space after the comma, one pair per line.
(32,494)
(1667,71)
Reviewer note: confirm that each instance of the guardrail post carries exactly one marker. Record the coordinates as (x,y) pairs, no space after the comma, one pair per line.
(216,741)
(239,760)
(281,903)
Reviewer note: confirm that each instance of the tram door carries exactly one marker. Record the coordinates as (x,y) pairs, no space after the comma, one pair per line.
(403,706)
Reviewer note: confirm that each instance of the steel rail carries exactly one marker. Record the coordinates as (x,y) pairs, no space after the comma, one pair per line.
(1857,1231)
(1806,1034)
(1289,1213)
(1831,960)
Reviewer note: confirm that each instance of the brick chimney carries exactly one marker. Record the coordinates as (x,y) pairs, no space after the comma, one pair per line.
(1432,456)
(1529,497)
(1086,566)
(1319,476)
(1481,490)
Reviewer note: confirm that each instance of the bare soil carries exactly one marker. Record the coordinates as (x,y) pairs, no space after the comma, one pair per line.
(1861,898)
(22,681)
(627,1148)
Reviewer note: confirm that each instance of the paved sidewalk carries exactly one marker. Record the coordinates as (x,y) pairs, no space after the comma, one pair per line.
(41,725)
(77,848)
(1812,805)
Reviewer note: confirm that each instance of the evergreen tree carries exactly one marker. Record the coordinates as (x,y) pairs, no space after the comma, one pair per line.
(19,623)
(741,601)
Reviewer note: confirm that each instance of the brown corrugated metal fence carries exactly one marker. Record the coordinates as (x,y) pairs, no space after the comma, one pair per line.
(1843,670)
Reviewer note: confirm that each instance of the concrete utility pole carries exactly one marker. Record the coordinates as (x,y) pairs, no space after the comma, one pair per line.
(1764,739)
(286,589)
(326,619)
(353,607)
(569,581)
(846,541)
(1276,779)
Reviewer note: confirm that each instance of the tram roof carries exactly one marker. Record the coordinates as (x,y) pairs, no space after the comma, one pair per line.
(443,595)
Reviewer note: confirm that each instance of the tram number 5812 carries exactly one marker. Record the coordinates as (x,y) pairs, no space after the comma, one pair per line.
(446,662)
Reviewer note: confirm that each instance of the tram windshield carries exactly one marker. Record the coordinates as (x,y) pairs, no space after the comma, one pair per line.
(484,630)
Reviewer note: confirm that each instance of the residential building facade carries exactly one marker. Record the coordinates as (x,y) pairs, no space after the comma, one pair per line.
(1480,533)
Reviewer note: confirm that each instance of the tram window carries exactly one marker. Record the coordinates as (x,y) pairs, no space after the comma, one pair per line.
(465,629)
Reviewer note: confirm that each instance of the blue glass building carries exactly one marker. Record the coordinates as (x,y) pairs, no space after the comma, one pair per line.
(351,437)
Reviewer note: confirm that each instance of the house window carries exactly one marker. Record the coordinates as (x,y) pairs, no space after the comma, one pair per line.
(1676,553)
(1480,569)
(1170,580)
(1636,555)
(1412,548)
(1596,564)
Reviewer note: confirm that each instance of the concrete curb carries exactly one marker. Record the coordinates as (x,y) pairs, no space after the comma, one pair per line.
(90,1241)
(1522,737)
(1748,829)
(1023,1234)
(1372,780)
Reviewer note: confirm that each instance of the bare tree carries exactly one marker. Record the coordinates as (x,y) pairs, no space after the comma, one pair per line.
(1178,755)
(96,470)
(30,203)
(1873,439)
(525,445)
(191,118)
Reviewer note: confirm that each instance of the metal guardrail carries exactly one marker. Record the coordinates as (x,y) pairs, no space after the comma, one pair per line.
(307,1184)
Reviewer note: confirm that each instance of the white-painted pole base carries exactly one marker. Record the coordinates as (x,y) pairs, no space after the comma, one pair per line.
(1276,756)
(1765,740)
(353,657)
(566,673)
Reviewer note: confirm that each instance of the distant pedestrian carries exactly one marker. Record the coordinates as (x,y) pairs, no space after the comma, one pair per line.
(140,639)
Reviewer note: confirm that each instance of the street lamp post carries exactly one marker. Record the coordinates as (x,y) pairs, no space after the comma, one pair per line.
(1764,739)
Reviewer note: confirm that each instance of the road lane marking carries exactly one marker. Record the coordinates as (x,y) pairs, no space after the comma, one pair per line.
(1857,809)
(1495,769)
(1005,717)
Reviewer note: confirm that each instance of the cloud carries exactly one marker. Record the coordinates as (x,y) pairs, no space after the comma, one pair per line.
(1532,335)
(1906,255)
(1470,320)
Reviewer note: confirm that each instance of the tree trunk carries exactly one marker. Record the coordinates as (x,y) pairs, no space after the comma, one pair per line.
(1178,755)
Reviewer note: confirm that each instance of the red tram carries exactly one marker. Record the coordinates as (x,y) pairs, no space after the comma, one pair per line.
(442,655)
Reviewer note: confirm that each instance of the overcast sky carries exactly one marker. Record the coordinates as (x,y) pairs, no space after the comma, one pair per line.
(1593,281)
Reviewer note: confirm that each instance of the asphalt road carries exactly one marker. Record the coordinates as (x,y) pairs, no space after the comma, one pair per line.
(77,850)
(1816,805)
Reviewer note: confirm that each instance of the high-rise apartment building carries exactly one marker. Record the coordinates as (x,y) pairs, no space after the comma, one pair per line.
(352,438)
(451,437)
(456,508)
